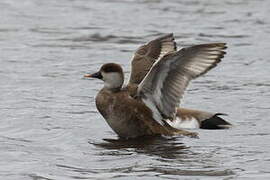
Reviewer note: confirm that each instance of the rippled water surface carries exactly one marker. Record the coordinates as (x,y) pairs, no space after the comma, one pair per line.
(50,128)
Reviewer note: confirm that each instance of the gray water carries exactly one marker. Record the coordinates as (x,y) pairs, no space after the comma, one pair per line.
(50,128)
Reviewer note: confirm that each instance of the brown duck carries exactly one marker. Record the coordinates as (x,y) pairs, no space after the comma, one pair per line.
(148,105)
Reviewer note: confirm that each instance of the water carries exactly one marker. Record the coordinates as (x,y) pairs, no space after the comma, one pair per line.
(50,128)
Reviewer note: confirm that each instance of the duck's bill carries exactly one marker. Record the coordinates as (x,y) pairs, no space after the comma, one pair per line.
(87,75)
(95,75)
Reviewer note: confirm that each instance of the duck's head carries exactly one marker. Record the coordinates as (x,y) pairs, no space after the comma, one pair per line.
(112,75)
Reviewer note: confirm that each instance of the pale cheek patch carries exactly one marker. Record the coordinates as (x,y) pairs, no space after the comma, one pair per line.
(112,80)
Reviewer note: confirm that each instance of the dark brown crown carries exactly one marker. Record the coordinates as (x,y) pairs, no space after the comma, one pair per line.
(111,67)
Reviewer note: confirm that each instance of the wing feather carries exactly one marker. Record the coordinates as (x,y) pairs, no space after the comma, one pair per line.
(148,54)
(165,83)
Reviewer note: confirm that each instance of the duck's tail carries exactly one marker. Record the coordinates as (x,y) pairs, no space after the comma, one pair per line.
(189,118)
(215,122)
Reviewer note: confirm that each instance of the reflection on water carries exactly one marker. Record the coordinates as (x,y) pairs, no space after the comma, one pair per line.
(167,148)
(50,128)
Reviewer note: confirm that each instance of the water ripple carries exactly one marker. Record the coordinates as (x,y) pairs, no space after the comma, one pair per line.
(50,128)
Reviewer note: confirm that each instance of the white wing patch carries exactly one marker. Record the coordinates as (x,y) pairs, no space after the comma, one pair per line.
(178,123)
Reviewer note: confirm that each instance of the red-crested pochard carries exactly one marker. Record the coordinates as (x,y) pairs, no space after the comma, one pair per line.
(149,104)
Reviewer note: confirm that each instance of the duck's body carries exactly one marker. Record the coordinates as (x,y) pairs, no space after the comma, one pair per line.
(149,104)
(130,117)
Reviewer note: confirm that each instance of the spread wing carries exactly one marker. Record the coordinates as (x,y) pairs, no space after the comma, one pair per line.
(148,54)
(164,85)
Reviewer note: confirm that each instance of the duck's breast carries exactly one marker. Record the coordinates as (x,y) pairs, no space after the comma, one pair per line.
(121,113)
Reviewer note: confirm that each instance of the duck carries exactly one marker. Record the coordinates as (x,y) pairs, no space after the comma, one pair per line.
(149,104)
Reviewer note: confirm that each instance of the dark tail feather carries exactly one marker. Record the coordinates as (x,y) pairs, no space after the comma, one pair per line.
(215,122)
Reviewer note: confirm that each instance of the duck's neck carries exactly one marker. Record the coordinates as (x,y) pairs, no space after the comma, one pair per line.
(114,90)
(110,86)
